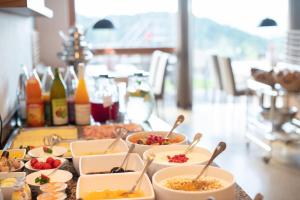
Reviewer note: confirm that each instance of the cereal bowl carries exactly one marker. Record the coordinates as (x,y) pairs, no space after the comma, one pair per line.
(98,164)
(165,157)
(94,147)
(165,180)
(113,182)
(140,148)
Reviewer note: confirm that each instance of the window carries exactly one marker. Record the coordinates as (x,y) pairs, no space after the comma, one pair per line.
(139,23)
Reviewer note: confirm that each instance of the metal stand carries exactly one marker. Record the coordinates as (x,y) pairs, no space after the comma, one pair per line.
(267,127)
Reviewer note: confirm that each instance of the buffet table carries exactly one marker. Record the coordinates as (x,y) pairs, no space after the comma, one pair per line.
(154,123)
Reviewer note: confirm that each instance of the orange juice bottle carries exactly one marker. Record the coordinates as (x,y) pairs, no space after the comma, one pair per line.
(34,102)
(81,100)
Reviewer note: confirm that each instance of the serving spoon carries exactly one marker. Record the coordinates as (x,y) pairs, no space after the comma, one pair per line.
(218,150)
(120,169)
(121,133)
(196,139)
(178,121)
(150,159)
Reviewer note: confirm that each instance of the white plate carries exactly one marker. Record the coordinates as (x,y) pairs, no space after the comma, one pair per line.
(58,176)
(19,169)
(39,152)
(43,159)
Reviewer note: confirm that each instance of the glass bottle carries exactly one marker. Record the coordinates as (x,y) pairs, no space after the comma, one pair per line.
(81,99)
(34,102)
(47,81)
(21,93)
(58,100)
(104,100)
(71,84)
(139,98)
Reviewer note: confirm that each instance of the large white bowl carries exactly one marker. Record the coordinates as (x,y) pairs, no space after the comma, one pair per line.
(164,193)
(87,146)
(140,148)
(98,163)
(124,181)
(156,165)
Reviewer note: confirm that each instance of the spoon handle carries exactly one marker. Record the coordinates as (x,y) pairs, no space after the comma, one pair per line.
(127,155)
(149,161)
(121,132)
(219,149)
(178,121)
(196,139)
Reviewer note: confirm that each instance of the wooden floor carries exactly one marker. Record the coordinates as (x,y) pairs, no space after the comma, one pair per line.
(278,180)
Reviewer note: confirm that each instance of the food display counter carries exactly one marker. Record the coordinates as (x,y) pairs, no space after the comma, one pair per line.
(154,123)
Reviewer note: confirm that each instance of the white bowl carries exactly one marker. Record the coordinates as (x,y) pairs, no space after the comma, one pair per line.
(43,159)
(124,181)
(98,163)
(62,176)
(7,191)
(164,193)
(87,146)
(39,152)
(204,156)
(140,148)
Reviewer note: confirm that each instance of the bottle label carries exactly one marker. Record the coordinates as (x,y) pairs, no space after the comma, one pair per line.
(35,114)
(82,113)
(59,111)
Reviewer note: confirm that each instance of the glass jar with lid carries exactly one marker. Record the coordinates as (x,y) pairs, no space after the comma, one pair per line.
(104,99)
(139,98)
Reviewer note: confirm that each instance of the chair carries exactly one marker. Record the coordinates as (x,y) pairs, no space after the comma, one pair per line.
(228,80)
(157,72)
(217,73)
(218,85)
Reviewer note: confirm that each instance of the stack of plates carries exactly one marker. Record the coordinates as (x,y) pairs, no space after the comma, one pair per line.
(293,47)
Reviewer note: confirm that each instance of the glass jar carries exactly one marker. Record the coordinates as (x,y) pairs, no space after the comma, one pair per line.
(104,99)
(139,98)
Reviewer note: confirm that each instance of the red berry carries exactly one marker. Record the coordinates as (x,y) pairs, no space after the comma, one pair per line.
(49,160)
(47,166)
(37,165)
(56,163)
(33,161)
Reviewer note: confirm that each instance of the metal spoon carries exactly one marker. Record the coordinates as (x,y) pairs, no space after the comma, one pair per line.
(196,139)
(218,150)
(178,121)
(120,169)
(148,162)
(121,133)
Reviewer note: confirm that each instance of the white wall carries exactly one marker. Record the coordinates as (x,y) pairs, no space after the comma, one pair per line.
(49,41)
(15,49)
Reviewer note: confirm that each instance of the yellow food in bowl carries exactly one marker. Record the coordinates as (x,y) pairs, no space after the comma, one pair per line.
(8,182)
(18,154)
(186,183)
(112,194)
